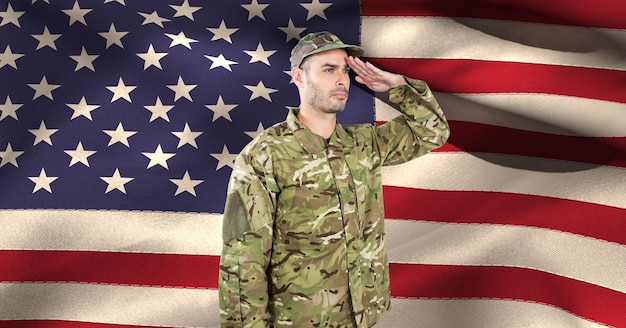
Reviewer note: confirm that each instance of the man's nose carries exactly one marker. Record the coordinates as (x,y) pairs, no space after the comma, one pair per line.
(344,79)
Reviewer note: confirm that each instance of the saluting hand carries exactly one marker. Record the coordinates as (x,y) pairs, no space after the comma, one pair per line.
(373,77)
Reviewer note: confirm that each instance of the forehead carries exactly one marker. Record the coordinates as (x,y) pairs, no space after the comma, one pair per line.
(333,57)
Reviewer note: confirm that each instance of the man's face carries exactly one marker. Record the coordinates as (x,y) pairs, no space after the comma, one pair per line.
(326,81)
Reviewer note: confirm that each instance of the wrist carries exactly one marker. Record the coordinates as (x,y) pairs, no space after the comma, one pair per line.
(399,80)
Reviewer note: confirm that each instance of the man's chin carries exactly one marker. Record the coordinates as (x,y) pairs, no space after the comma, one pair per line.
(340,105)
(335,109)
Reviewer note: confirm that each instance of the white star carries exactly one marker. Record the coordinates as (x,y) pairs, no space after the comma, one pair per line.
(181,39)
(82,109)
(153,18)
(187,137)
(259,130)
(9,156)
(221,110)
(260,54)
(80,155)
(182,90)
(159,110)
(152,58)
(8,58)
(121,91)
(46,39)
(10,16)
(255,9)
(315,8)
(77,14)
(116,182)
(186,184)
(220,61)
(42,181)
(113,37)
(118,1)
(260,91)
(185,10)
(119,135)
(158,157)
(43,88)
(222,32)
(43,134)
(224,159)
(9,109)
(84,60)
(292,31)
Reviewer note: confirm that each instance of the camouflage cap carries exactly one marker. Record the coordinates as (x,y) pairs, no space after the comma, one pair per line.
(313,43)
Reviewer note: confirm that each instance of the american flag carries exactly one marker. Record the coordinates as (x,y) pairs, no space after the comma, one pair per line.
(120,119)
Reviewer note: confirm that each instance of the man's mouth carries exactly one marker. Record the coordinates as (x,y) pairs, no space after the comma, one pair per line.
(340,94)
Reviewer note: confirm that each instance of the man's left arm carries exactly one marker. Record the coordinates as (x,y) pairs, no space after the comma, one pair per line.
(422,128)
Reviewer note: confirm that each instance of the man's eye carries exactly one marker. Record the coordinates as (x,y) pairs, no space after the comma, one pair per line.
(329,70)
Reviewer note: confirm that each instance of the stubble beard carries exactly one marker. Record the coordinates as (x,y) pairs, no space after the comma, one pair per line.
(325,102)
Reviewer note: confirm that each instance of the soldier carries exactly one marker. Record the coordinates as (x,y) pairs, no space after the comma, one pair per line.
(304,240)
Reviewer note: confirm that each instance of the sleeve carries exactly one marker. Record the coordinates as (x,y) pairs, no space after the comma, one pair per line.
(247,234)
(422,128)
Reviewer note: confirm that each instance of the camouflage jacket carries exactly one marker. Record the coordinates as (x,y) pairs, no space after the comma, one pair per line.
(303,222)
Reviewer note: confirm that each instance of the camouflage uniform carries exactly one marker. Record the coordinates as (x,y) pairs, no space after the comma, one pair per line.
(304,225)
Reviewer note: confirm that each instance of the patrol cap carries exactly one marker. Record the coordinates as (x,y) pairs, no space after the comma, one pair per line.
(313,43)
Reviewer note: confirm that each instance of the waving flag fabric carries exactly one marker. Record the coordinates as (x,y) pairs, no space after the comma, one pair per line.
(120,119)
(518,221)
(119,126)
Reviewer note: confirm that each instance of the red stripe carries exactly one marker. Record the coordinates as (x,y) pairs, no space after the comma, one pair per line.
(586,300)
(61,324)
(141,269)
(475,137)
(592,220)
(605,13)
(478,76)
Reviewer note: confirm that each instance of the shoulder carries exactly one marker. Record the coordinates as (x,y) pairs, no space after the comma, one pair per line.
(265,146)
(360,131)
(358,128)
(267,139)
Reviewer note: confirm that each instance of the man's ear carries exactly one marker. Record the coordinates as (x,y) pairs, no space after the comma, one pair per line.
(296,75)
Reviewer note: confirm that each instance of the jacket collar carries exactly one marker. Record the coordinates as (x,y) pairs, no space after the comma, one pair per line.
(313,143)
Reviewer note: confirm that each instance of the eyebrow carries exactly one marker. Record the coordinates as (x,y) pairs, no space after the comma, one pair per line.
(334,65)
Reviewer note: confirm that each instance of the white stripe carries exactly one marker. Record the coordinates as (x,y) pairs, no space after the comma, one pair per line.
(199,308)
(514,174)
(483,39)
(167,307)
(561,115)
(478,314)
(564,254)
(120,231)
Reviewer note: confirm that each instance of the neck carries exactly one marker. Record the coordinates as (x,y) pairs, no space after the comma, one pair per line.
(322,124)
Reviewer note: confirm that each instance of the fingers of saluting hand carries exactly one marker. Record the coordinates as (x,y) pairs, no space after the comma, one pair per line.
(364,70)
(373,77)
